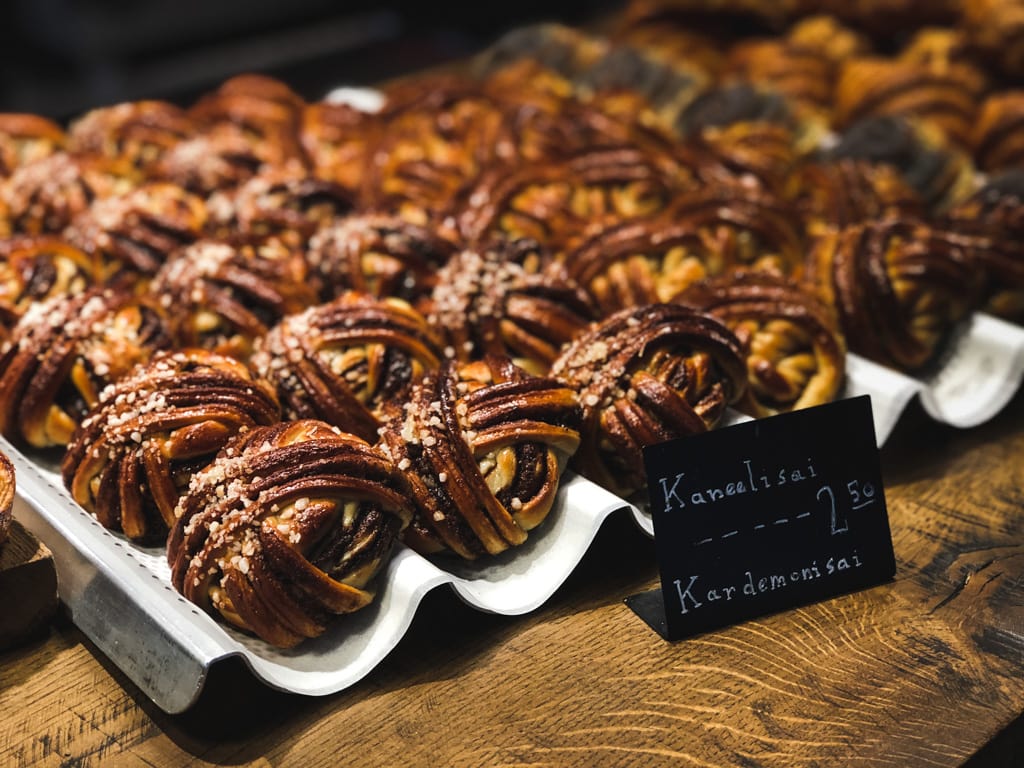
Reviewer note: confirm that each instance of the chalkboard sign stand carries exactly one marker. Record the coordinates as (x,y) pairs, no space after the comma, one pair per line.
(650,606)
(765,516)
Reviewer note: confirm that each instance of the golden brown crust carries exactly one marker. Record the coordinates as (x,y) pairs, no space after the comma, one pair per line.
(795,352)
(645,375)
(61,355)
(337,139)
(899,287)
(131,235)
(998,136)
(947,97)
(994,220)
(43,196)
(995,28)
(286,529)
(343,362)
(837,193)
(25,138)
(223,294)
(379,254)
(484,445)
(134,453)
(554,203)
(220,157)
(508,299)
(280,203)
(6,496)
(37,268)
(138,132)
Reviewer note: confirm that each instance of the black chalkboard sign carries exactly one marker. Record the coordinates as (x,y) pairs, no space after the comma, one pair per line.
(764,516)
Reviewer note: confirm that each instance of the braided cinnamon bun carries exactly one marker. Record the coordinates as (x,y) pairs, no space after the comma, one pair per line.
(998,137)
(994,218)
(43,196)
(947,97)
(265,110)
(554,203)
(132,234)
(645,375)
(223,294)
(61,355)
(826,36)
(804,76)
(36,268)
(838,193)
(741,134)
(25,138)
(138,132)
(134,453)
(287,529)
(279,203)
(6,496)
(899,287)
(995,28)
(743,226)
(342,362)
(507,299)
(796,355)
(940,174)
(639,262)
(436,136)
(484,445)
(220,157)
(379,254)
(337,139)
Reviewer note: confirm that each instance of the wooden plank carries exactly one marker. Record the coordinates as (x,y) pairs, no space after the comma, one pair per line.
(923,671)
(28,586)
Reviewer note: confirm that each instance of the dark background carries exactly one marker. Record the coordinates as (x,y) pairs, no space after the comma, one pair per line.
(61,57)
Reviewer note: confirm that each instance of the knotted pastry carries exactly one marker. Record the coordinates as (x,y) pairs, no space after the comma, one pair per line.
(743,226)
(436,137)
(994,218)
(131,235)
(483,445)
(342,362)
(826,36)
(25,138)
(940,174)
(43,196)
(287,529)
(899,287)
(223,294)
(554,203)
(61,355)
(645,375)
(837,193)
(337,139)
(507,299)
(380,254)
(947,97)
(805,76)
(221,157)
(740,134)
(134,454)
(796,355)
(265,110)
(281,203)
(6,496)
(995,28)
(138,132)
(998,138)
(36,268)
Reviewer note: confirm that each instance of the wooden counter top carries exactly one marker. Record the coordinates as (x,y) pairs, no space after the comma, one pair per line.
(924,671)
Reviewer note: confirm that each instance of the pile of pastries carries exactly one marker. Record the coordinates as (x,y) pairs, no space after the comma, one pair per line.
(280,336)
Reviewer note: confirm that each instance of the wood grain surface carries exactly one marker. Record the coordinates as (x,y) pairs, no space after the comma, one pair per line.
(924,671)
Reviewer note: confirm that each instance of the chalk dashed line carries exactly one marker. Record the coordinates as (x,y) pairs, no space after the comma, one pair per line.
(758,527)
